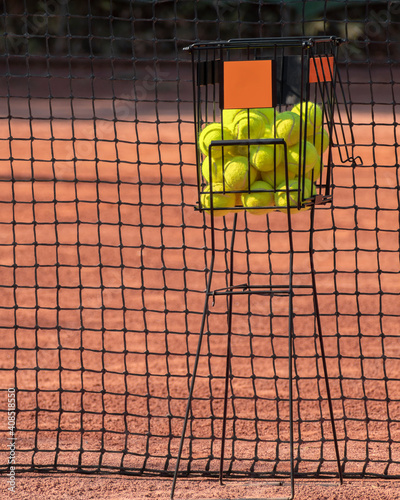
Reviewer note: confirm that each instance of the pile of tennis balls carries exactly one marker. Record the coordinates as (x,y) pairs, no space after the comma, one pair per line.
(254,176)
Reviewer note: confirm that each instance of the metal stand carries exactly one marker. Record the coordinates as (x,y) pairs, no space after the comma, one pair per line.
(282,290)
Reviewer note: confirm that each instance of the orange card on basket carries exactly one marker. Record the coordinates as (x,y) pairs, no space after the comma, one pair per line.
(321,69)
(248,84)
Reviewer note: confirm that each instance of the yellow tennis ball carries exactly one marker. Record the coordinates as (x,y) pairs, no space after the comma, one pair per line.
(282,201)
(236,150)
(244,149)
(316,172)
(217,164)
(213,132)
(269,113)
(217,201)
(265,157)
(310,113)
(277,176)
(239,174)
(287,127)
(307,159)
(320,141)
(249,124)
(228,115)
(269,132)
(260,200)
(213,171)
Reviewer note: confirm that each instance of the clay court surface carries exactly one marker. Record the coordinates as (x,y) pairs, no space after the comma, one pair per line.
(81,249)
(58,486)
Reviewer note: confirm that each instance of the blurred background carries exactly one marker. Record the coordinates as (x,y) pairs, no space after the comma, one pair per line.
(145,29)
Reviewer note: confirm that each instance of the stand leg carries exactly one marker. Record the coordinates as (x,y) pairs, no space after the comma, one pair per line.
(290,359)
(196,362)
(321,343)
(228,351)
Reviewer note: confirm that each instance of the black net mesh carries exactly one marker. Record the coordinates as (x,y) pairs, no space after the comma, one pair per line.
(103,258)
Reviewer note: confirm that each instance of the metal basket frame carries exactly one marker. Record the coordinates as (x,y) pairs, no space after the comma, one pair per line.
(206,74)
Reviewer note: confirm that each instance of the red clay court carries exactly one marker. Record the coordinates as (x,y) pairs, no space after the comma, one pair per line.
(103,268)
